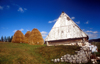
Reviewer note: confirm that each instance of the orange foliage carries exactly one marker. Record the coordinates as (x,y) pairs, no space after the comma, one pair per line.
(36,37)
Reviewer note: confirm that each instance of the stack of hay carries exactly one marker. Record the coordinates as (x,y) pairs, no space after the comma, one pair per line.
(27,36)
(36,37)
(18,37)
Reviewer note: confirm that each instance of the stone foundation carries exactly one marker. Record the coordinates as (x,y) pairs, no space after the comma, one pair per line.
(82,56)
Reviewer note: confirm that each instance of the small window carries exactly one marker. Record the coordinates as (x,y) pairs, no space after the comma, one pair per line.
(68,18)
(61,31)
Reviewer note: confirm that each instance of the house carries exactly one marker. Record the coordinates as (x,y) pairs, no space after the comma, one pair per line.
(66,32)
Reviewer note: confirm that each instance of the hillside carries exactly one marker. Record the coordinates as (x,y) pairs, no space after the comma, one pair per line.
(15,53)
(23,53)
(95,40)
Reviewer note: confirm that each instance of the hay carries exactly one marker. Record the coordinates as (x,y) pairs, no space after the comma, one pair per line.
(18,37)
(36,37)
(27,36)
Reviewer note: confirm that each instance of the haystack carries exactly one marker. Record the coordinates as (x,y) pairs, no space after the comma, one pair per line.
(18,37)
(36,37)
(27,36)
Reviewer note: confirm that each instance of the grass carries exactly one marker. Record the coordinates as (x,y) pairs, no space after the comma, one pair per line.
(22,53)
(15,53)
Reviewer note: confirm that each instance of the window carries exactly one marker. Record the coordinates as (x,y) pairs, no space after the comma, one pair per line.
(68,18)
(61,31)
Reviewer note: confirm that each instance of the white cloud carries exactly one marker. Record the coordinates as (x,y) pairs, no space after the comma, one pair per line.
(5,7)
(95,32)
(52,21)
(14,30)
(92,35)
(89,31)
(21,29)
(78,22)
(87,22)
(44,33)
(27,30)
(1,8)
(8,6)
(20,9)
(72,17)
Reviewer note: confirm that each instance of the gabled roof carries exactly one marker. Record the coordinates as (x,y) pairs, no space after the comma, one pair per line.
(65,28)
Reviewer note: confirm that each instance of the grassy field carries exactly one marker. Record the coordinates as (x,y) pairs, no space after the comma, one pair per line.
(21,53)
(14,53)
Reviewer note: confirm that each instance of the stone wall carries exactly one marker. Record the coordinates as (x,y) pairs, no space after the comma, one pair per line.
(82,56)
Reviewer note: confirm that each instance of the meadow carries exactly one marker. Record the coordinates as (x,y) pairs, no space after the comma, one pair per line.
(22,53)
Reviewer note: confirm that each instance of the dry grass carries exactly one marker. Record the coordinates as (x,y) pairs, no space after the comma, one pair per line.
(53,52)
(15,53)
(27,36)
(36,37)
(18,37)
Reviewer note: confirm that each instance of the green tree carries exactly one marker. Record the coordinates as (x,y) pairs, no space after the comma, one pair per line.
(8,39)
(2,38)
(5,39)
(11,38)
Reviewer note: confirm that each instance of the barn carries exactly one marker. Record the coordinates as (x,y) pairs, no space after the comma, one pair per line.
(66,32)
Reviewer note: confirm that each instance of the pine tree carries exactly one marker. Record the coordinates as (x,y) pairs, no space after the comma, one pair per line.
(8,39)
(5,39)
(2,38)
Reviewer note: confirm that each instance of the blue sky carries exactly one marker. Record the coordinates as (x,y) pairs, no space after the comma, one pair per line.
(25,15)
